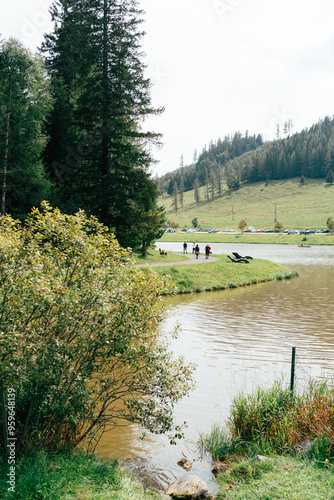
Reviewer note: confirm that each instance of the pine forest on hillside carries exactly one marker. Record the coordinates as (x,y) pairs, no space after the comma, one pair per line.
(247,159)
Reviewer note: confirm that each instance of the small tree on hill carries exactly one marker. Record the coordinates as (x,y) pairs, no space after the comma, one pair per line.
(233,182)
(181,190)
(196,191)
(213,183)
(278,225)
(195,222)
(242,225)
(330,224)
(175,193)
(207,183)
(330,177)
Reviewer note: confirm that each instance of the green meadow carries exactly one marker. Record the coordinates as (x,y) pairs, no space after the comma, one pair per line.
(298,206)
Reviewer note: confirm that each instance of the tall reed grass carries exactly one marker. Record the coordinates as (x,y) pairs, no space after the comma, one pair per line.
(274,420)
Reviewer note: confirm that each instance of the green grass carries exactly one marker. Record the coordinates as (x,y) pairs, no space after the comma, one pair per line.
(276,419)
(154,257)
(298,206)
(71,477)
(270,422)
(281,239)
(277,478)
(222,274)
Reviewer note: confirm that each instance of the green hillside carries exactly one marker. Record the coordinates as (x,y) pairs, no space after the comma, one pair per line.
(298,206)
(245,159)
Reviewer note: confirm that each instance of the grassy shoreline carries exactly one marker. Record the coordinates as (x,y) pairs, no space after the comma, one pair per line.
(249,238)
(222,275)
(270,423)
(71,476)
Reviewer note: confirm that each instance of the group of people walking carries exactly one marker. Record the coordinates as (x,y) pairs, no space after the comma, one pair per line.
(196,249)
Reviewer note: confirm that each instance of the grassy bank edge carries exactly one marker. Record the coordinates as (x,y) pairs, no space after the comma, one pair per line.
(249,238)
(71,476)
(277,478)
(255,451)
(222,275)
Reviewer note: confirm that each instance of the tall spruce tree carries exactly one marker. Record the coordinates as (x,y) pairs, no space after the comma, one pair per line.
(95,54)
(24,103)
(181,190)
(196,191)
(175,193)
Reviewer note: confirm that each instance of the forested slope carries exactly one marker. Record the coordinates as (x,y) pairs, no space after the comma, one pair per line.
(239,159)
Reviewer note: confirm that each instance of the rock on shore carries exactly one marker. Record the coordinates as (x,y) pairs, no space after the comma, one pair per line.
(189,488)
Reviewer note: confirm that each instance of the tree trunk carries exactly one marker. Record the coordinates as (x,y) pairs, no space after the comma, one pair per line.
(105,108)
(144,248)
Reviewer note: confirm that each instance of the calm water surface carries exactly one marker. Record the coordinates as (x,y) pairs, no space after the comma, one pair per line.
(239,339)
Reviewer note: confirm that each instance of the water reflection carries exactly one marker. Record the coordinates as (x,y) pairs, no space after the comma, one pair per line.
(239,339)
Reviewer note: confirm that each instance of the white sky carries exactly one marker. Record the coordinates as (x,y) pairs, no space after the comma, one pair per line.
(219,66)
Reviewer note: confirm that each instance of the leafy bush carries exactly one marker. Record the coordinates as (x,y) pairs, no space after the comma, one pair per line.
(242,224)
(78,341)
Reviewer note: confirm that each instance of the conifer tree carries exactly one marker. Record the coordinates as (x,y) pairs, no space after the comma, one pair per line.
(175,193)
(219,182)
(207,183)
(24,103)
(181,190)
(213,183)
(196,191)
(95,55)
(330,177)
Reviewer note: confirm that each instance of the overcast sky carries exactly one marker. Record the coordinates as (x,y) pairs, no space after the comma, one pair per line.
(218,66)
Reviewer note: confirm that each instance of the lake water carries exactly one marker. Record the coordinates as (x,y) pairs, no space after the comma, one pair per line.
(239,339)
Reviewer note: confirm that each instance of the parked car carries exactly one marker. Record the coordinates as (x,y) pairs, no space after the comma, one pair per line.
(170,230)
(228,230)
(213,230)
(269,231)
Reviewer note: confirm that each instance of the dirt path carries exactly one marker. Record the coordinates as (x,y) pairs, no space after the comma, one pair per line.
(192,260)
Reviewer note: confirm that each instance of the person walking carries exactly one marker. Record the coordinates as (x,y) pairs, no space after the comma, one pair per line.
(194,246)
(185,246)
(197,251)
(207,251)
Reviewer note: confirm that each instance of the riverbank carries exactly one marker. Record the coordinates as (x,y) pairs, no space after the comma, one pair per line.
(277,444)
(254,238)
(70,477)
(222,274)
